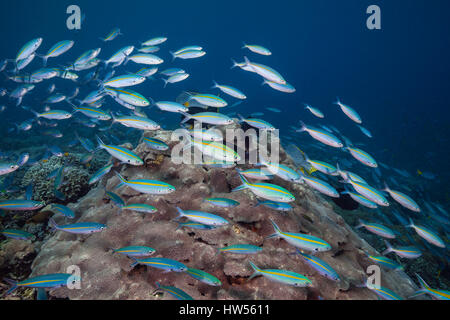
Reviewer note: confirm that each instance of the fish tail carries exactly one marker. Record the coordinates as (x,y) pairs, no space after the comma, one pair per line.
(13,284)
(247,62)
(100,142)
(264,82)
(235,64)
(180,213)
(244,182)
(215,84)
(135,263)
(389,248)
(35,113)
(423,284)
(337,102)
(73,105)
(276,229)
(173,55)
(241,118)
(361,224)
(257,271)
(53,224)
(386,187)
(41,294)
(417,293)
(122,180)
(44,60)
(244,45)
(165,82)
(302,128)
(187,117)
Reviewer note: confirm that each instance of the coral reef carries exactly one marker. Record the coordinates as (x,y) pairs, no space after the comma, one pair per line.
(75,183)
(106,275)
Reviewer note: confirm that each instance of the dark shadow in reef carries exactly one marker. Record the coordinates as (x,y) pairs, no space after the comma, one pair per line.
(345,202)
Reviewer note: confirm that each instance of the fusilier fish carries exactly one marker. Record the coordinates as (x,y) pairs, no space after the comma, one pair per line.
(206,218)
(322,136)
(175,292)
(300,240)
(281,276)
(408,252)
(58,49)
(405,200)
(204,277)
(230,91)
(350,112)
(161,263)
(21,205)
(257,49)
(156,144)
(427,234)
(79,228)
(136,251)
(265,72)
(266,190)
(136,122)
(426,289)
(147,186)
(120,153)
(54,280)
(320,266)
(241,249)
(28,49)
(377,229)
(176,78)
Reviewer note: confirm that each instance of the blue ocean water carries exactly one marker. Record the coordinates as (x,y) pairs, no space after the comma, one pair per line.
(397,78)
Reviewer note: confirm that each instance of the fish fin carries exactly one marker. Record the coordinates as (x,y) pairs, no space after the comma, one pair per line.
(100,142)
(386,187)
(417,293)
(44,60)
(173,55)
(273,235)
(180,213)
(241,187)
(423,284)
(13,284)
(276,228)
(235,64)
(41,294)
(179,226)
(389,248)
(122,180)
(257,271)
(135,263)
(53,224)
(187,115)
(302,128)
(361,224)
